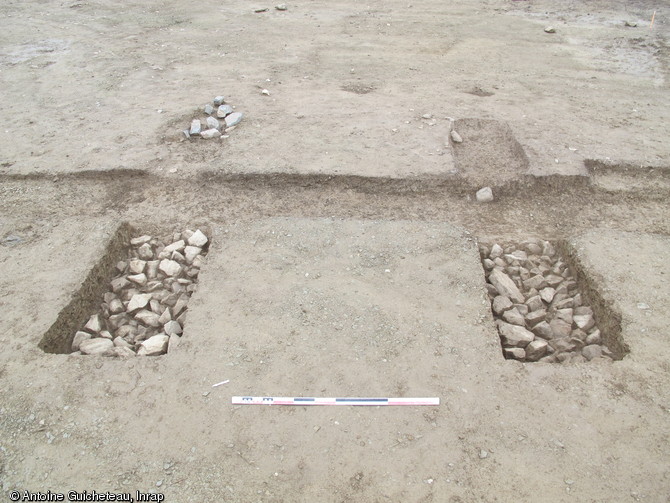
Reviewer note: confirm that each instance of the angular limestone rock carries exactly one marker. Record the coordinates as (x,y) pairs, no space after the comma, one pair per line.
(514,335)
(154,346)
(94,325)
(138,301)
(79,337)
(198,239)
(172,328)
(96,346)
(505,286)
(170,267)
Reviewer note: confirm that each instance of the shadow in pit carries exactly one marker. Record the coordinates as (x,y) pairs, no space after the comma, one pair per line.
(58,339)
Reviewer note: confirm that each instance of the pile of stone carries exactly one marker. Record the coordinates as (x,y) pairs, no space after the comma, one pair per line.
(143,313)
(539,311)
(219,120)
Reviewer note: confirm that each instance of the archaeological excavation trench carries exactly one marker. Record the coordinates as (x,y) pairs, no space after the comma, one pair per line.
(135,300)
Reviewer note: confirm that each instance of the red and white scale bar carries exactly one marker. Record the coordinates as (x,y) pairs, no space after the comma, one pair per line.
(284,400)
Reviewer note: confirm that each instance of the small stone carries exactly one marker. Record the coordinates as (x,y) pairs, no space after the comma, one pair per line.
(198,239)
(97,346)
(170,267)
(496,252)
(138,301)
(483,454)
(212,123)
(209,109)
(550,29)
(196,127)
(165,316)
(148,318)
(561,304)
(140,240)
(536,317)
(233,119)
(79,337)
(176,246)
(93,324)
(145,252)
(191,252)
(630,24)
(137,266)
(115,306)
(138,279)
(152,269)
(122,352)
(210,133)
(224,111)
(543,330)
(534,303)
(553,280)
(116,320)
(126,331)
(219,100)
(488,264)
(536,282)
(455,137)
(514,317)
(536,350)
(121,342)
(484,195)
(560,329)
(547,294)
(261,9)
(514,335)
(154,346)
(180,305)
(584,321)
(106,334)
(172,328)
(501,304)
(593,338)
(265,92)
(565,315)
(522,308)
(281,6)
(514,353)
(156,306)
(592,351)
(178,257)
(505,286)
(562,345)
(119,284)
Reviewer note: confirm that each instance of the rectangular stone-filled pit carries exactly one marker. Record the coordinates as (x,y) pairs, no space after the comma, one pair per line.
(546,307)
(135,299)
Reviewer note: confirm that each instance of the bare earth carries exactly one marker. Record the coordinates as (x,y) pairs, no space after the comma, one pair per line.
(343,258)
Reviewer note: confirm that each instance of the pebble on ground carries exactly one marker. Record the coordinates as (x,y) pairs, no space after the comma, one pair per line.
(208,127)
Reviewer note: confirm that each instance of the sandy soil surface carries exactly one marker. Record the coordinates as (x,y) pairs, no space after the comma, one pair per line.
(344,245)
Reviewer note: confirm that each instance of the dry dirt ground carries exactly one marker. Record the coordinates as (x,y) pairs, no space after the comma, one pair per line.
(344,245)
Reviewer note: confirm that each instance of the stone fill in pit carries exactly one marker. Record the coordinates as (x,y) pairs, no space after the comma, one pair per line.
(134,302)
(541,311)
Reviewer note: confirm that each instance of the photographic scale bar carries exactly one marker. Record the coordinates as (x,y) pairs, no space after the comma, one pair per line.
(283,400)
